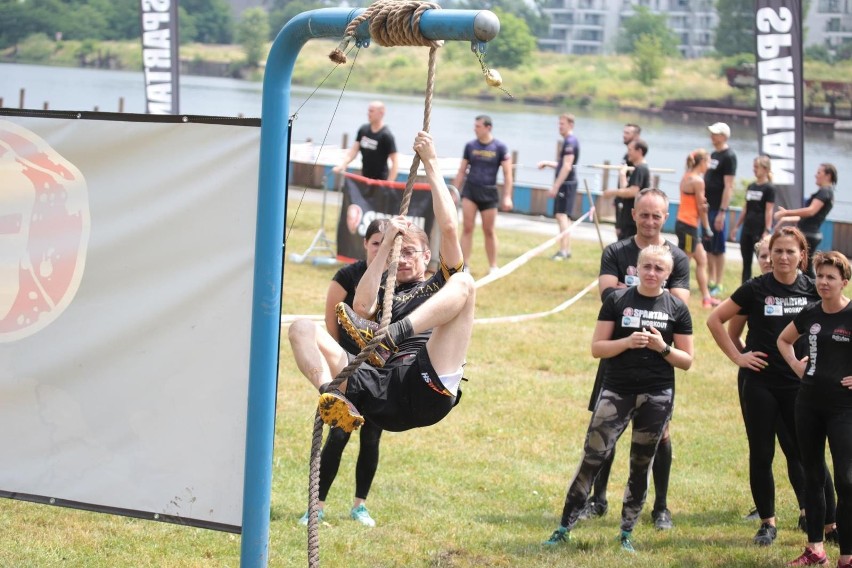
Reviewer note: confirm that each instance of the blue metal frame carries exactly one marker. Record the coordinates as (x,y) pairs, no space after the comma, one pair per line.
(471,25)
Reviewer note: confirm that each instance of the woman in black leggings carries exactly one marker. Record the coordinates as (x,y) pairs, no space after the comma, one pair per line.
(769,390)
(756,216)
(824,403)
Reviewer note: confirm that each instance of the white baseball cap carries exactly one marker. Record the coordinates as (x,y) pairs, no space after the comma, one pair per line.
(720,128)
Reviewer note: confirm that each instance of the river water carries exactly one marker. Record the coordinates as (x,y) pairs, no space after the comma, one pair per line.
(325,115)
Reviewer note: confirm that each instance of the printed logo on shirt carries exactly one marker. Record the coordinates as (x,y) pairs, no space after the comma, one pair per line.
(815,329)
(754,195)
(776,306)
(368,143)
(841,335)
(630,276)
(635,318)
(812,354)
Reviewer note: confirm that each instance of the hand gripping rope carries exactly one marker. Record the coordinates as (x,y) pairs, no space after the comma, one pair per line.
(392,23)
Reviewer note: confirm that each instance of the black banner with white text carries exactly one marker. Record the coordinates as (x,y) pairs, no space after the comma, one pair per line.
(159,22)
(367,199)
(780,100)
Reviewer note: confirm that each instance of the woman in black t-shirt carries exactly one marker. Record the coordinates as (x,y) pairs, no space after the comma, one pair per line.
(769,389)
(644,333)
(816,209)
(824,403)
(756,216)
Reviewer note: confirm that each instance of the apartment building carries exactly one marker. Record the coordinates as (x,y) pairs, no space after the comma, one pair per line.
(591,26)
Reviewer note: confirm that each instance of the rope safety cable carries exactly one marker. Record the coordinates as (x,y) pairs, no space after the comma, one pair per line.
(392,23)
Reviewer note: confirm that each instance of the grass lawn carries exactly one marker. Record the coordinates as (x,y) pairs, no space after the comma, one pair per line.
(484,487)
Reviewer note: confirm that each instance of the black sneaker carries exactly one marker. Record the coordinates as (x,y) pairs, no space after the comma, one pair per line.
(753,515)
(765,535)
(362,331)
(662,519)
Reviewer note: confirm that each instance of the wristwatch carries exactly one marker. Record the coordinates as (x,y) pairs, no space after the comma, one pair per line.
(665,352)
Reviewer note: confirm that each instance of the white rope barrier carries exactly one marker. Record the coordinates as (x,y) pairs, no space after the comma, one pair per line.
(526,317)
(505,270)
(513,265)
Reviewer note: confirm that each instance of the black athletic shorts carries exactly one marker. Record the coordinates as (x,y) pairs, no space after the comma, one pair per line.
(485,196)
(406,393)
(687,237)
(564,200)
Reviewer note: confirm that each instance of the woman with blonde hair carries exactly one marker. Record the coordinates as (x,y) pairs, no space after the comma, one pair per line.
(756,217)
(692,209)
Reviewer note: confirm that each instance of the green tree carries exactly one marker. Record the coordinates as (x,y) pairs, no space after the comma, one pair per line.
(513,46)
(212,19)
(735,32)
(252,33)
(644,23)
(648,58)
(282,11)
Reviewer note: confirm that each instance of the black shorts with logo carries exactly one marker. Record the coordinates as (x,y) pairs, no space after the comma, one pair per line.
(406,393)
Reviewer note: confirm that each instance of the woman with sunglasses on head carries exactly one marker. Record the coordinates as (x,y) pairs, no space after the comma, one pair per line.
(644,333)
(824,403)
(768,302)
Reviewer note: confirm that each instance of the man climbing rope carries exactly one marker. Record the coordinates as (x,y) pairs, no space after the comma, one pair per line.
(413,377)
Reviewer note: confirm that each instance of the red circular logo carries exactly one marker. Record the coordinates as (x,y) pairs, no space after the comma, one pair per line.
(44,232)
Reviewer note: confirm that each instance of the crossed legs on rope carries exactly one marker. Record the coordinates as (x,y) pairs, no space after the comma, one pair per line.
(382,392)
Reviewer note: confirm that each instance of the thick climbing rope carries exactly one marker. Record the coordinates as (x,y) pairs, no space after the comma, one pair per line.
(392,23)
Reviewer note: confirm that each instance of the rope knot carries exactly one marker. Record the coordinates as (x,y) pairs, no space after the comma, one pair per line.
(392,23)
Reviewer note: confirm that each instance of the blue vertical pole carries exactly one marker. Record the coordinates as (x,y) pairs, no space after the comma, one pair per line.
(470,25)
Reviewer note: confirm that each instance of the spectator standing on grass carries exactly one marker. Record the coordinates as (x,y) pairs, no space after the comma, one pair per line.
(691,211)
(824,405)
(816,209)
(756,217)
(564,188)
(631,179)
(768,302)
(482,159)
(644,333)
(342,289)
(377,146)
(618,270)
(719,188)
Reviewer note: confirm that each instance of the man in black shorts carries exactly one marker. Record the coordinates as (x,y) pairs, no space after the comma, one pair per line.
(719,189)
(483,158)
(413,377)
(564,188)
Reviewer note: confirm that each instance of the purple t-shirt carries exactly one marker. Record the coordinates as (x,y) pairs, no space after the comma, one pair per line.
(485,161)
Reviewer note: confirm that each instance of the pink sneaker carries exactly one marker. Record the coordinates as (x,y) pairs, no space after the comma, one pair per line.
(809,558)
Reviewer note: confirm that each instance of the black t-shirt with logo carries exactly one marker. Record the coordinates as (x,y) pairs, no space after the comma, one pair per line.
(722,163)
(828,344)
(769,306)
(757,196)
(408,297)
(636,371)
(375,149)
(619,259)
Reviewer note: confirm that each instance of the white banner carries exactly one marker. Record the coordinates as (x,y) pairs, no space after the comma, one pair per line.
(126,260)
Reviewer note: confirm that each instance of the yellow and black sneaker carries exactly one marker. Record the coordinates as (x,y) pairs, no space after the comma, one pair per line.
(336,410)
(362,331)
